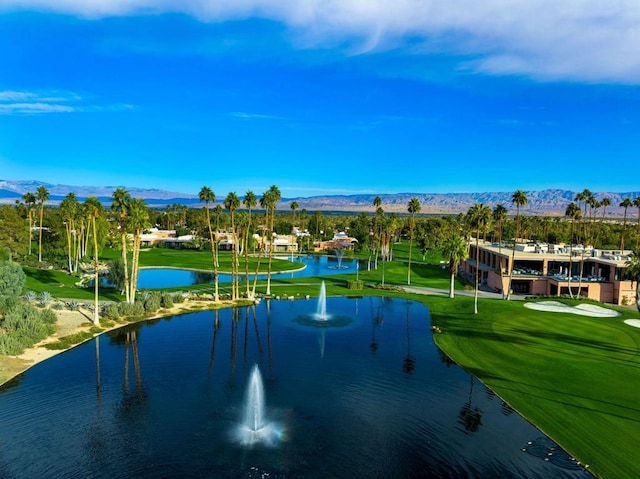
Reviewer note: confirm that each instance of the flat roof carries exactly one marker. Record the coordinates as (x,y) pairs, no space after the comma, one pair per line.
(526,255)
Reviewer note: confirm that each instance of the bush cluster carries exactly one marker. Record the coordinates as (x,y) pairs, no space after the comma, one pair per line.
(24,325)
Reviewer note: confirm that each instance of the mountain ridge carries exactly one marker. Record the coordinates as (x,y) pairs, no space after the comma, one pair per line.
(550,201)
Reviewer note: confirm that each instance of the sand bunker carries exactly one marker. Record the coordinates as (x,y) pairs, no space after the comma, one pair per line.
(592,310)
(633,322)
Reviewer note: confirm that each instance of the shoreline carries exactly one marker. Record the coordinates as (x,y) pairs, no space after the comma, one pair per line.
(73,322)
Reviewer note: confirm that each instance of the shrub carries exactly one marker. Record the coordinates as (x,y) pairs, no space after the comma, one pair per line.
(166,300)
(10,345)
(152,303)
(129,310)
(12,278)
(353,284)
(73,305)
(28,324)
(30,297)
(44,298)
(111,311)
(8,302)
(177,297)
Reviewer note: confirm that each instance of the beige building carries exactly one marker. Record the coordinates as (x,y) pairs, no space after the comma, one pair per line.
(549,269)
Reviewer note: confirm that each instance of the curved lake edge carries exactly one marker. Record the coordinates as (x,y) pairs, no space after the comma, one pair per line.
(14,366)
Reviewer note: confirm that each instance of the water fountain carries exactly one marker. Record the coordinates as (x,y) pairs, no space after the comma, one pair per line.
(339,253)
(321,312)
(254,428)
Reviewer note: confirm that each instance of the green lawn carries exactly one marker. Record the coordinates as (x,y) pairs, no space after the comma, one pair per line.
(577,378)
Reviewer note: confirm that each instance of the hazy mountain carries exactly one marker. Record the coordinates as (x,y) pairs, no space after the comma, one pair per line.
(549,201)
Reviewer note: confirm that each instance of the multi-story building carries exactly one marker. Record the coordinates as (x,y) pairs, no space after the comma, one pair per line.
(550,269)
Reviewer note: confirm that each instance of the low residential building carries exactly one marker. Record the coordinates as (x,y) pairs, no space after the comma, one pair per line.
(340,241)
(549,269)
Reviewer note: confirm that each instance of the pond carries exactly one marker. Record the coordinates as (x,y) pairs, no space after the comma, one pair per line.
(361,393)
(308,265)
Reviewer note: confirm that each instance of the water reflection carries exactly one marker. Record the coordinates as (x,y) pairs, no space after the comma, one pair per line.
(161,399)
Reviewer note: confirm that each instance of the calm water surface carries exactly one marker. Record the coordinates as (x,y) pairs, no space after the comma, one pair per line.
(310,265)
(371,398)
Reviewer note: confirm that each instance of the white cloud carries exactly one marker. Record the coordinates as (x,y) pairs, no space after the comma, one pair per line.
(254,116)
(580,40)
(41,102)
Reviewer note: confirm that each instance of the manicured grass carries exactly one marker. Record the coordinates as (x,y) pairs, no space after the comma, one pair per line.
(63,285)
(574,377)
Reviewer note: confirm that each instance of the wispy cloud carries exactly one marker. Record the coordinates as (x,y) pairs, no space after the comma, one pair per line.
(254,116)
(581,40)
(46,102)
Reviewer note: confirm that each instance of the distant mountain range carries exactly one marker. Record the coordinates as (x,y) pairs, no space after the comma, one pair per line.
(541,202)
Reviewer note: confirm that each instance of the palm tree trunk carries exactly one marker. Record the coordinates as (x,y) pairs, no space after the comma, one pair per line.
(40,233)
(96,280)
(475,295)
(126,266)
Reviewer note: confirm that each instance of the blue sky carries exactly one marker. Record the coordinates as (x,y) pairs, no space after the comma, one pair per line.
(331,96)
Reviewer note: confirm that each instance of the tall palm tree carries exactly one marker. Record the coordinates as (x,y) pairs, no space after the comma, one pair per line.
(413,207)
(583,197)
(42,195)
(626,203)
(232,202)
(636,203)
(455,250)
(294,206)
(479,217)
(120,200)
(573,213)
(250,201)
(274,197)
(265,202)
(519,198)
(30,202)
(207,196)
(69,209)
(138,220)
(377,203)
(93,208)
(632,272)
(499,216)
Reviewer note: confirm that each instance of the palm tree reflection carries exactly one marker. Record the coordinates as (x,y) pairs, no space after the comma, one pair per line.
(470,417)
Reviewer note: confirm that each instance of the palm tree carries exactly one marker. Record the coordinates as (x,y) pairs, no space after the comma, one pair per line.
(573,213)
(373,237)
(120,200)
(479,217)
(636,203)
(626,203)
(30,202)
(632,271)
(455,250)
(584,196)
(274,197)
(42,195)
(93,207)
(207,196)
(69,209)
(250,201)
(294,206)
(232,202)
(519,198)
(499,216)
(265,203)
(413,207)
(137,219)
